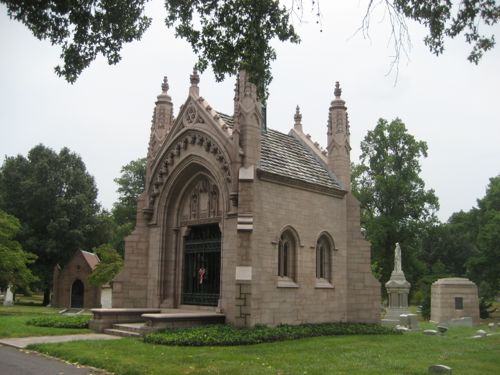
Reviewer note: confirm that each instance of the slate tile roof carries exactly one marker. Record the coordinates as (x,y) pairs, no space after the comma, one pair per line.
(91,258)
(284,155)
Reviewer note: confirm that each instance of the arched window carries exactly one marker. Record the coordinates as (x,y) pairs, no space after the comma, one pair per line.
(324,258)
(286,255)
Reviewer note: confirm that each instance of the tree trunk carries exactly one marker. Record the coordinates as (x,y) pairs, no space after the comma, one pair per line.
(46,297)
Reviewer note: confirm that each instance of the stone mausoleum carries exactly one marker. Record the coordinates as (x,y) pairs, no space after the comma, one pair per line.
(247,221)
(453,299)
(70,286)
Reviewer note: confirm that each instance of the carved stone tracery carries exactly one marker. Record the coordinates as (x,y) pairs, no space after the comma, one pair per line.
(203,201)
(174,152)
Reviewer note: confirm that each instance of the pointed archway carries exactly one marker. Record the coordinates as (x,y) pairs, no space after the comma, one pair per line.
(77,294)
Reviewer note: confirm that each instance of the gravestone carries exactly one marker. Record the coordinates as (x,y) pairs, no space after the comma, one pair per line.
(431,332)
(9,297)
(439,369)
(397,291)
(409,321)
(442,329)
(106,296)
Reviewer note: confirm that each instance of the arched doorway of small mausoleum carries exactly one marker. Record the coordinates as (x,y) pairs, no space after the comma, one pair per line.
(77,294)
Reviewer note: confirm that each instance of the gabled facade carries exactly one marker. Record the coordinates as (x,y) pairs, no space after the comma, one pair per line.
(246,220)
(71,288)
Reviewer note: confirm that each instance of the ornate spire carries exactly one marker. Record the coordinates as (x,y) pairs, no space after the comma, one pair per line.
(298,119)
(164,85)
(338,91)
(338,139)
(194,79)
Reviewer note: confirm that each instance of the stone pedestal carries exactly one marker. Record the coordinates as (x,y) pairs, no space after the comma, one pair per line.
(397,293)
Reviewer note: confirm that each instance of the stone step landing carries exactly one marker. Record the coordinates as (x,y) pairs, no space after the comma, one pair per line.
(137,322)
(181,319)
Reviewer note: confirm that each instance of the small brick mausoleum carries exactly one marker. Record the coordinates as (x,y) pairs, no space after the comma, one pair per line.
(71,288)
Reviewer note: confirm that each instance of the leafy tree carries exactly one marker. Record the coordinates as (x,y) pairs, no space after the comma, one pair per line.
(14,260)
(84,29)
(395,207)
(131,184)
(110,264)
(230,35)
(451,244)
(484,265)
(55,199)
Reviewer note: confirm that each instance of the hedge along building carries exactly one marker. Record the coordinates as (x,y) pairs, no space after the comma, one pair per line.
(246,220)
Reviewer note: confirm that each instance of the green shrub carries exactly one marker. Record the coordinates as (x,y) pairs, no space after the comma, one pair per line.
(77,321)
(225,335)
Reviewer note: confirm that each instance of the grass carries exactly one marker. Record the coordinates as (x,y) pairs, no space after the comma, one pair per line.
(14,319)
(411,354)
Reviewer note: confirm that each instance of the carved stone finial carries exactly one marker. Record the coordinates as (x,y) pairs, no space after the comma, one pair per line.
(237,88)
(338,90)
(298,119)
(164,85)
(194,78)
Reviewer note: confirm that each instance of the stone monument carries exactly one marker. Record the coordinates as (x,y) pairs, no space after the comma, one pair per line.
(397,291)
(9,297)
(455,301)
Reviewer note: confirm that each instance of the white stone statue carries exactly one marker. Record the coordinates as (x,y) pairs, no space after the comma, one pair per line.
(397,258)
(9,297)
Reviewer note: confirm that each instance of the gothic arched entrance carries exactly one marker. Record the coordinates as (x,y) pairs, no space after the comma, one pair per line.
(201,265)
(77,294)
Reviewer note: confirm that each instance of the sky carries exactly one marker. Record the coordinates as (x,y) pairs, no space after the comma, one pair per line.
(105,117)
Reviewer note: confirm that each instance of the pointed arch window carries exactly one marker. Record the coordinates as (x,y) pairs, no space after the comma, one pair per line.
(324,255)
(287,259)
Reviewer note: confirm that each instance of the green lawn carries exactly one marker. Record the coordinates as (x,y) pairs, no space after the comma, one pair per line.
(13,322)
(411,353)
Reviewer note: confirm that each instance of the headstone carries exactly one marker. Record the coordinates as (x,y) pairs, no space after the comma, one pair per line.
(401,328)
(390,322)
(462,322)
(106,296)
(442,329)
(9,297)
(439,369)
(409,321)
(397,289)
(481,333)
(413,322)
(492,326)
(430,332)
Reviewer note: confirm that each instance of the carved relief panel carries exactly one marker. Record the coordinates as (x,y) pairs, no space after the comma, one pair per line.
(202,203)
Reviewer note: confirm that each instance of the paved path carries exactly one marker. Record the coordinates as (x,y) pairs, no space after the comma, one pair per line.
(19,362)
(23,342)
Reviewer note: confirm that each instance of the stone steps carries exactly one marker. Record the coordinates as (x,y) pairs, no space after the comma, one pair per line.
(141,321)
(126,330)
(121,333)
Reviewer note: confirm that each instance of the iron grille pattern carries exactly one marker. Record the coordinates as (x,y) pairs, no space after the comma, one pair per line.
(202,266)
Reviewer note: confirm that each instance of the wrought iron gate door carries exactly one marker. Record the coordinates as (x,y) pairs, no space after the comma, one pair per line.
(202,266)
